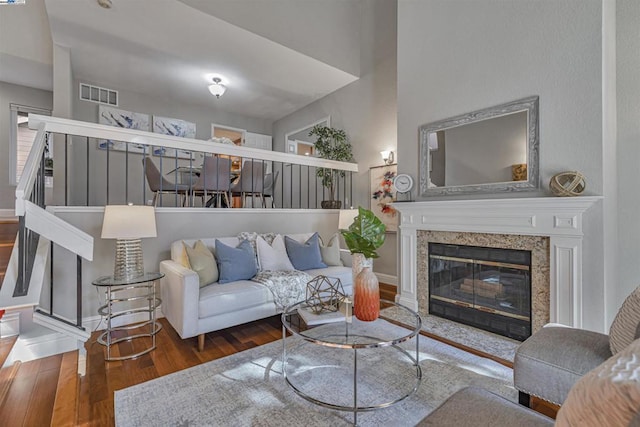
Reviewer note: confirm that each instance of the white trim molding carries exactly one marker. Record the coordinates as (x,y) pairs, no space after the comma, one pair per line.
(559,218)
(8,214)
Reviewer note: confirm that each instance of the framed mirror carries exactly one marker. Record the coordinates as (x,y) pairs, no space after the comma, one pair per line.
(299,142)
(491,150)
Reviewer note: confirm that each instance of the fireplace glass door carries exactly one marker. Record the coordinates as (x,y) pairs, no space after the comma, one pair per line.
(489,288)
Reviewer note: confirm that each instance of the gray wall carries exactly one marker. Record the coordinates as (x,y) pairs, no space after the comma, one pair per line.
(465,55)
(628,126)
(460,56)
(10,93)
(366,110)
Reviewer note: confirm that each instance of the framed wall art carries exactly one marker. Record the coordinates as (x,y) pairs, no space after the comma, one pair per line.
(173,127)
(382,194)
(124,119)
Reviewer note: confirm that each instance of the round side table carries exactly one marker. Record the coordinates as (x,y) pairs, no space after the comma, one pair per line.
(120,294)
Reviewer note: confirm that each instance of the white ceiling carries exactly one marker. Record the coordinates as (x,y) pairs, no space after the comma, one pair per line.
(167,48)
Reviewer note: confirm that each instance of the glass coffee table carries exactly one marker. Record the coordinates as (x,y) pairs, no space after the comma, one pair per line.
(350,365)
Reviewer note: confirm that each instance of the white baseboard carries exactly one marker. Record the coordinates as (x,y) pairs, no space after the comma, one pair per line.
(37,347)
(10,324)
(407,302)
(48,342)
(387,278)
(6,214)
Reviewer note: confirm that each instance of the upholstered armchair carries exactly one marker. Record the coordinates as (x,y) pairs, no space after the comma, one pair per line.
(553,359)
(595,377)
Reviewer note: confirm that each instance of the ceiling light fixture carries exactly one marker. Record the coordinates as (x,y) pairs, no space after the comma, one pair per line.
(105,4)
(217,88)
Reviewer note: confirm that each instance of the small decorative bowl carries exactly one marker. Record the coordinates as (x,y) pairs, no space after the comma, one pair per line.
(565,184)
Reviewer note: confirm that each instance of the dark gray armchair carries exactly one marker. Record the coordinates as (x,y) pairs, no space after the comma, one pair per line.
(553,359)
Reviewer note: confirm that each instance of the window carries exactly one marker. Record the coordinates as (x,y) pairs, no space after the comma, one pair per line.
(22,139)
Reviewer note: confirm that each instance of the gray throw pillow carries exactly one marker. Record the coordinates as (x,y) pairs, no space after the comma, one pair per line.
(305,256)
(235,263)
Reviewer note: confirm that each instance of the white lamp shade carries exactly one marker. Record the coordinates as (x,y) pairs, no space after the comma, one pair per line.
(128,222)
(346,218)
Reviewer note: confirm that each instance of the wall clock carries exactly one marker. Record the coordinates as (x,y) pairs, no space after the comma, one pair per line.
(403,183)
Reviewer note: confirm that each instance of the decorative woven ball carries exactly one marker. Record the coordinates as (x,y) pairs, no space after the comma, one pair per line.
(567,184)
(324,293)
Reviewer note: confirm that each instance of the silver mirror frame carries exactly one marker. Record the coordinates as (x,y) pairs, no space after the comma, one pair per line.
(530,105)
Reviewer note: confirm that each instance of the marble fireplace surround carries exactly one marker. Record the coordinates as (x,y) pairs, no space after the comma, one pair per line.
(539,247)
(555,222)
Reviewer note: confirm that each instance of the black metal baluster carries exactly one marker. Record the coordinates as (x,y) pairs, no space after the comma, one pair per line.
(87,166)
(175,179)
(144,174)
(299,186)
(66,169)
(308,188)
(126,174)
(78,291)
(161,175)
(51,277)
(108,152)
(22,248)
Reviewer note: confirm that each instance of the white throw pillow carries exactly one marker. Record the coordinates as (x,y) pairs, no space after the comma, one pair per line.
(608,395)
(273,257)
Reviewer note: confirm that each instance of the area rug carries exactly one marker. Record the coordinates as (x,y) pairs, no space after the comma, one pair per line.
(248,388)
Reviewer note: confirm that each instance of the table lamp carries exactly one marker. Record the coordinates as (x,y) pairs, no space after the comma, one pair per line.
(346,217)
(128,224)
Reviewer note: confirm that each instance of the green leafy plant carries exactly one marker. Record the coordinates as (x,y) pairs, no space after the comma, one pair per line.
(366,234)
(331,144)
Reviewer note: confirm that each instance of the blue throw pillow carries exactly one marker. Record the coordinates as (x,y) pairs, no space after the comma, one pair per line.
(305,256)
(235,263)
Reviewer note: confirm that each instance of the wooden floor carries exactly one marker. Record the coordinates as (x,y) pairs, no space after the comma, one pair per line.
(49,392)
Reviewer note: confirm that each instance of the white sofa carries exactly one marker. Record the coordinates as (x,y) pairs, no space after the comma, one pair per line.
(194,311)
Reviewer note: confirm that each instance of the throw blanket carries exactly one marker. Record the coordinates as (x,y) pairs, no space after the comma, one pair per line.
(287,287)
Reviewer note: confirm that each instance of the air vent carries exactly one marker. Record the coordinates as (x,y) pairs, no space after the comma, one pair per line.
(98,94)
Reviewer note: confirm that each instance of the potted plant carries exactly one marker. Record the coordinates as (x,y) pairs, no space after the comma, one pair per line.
(331,144)
(364,236)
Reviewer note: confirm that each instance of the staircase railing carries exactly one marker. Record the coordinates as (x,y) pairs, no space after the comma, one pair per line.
(106,165)
(38,232)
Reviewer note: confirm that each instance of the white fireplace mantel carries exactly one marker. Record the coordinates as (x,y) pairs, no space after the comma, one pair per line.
(559,218)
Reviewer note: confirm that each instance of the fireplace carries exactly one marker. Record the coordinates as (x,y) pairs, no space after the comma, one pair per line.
(566,282)
(489,288)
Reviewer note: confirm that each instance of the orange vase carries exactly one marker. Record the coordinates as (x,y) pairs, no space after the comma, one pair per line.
(366,300)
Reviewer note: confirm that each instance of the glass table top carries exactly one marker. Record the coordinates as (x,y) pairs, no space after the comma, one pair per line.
(110,281)
(343,331)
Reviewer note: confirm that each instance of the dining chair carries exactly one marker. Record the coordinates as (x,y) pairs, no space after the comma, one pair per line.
(251,182)
(158,184)
(214,181)
(270,182)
